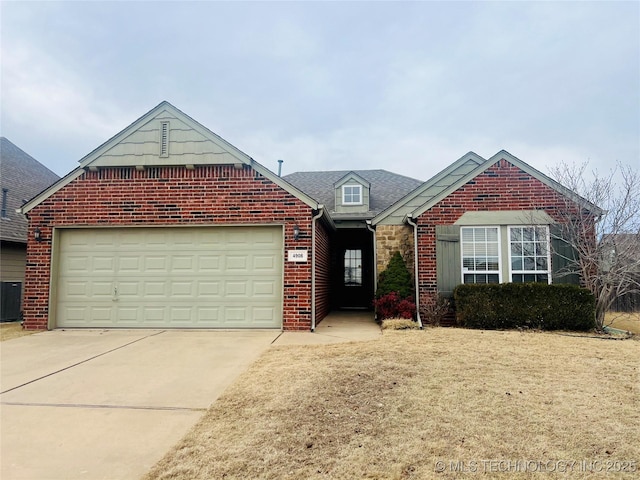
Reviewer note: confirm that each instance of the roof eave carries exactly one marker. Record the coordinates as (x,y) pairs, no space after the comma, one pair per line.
(42,196)
(426,185)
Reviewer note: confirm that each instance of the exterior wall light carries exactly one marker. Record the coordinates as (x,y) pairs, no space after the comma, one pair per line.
(37,235)
(296,232)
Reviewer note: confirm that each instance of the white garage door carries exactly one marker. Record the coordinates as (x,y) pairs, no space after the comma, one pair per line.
(201,277)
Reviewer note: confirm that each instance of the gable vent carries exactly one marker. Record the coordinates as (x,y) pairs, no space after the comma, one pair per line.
(164,139)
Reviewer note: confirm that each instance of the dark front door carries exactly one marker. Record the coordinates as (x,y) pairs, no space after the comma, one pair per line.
(353,267)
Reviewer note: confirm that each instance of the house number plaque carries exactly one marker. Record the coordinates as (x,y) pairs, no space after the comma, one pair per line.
(297,255)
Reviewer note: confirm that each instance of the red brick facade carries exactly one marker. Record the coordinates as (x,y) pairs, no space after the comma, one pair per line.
(501,187)
(323,271)
(207,195)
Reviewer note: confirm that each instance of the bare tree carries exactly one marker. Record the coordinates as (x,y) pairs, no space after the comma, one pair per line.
(602,229)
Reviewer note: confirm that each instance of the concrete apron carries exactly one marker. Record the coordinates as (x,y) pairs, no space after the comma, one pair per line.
(109,404)
(105,404)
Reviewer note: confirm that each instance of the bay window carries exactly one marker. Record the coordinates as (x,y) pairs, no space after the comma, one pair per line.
(517,254)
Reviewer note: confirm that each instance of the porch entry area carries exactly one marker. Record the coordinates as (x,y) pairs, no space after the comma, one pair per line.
(352,283)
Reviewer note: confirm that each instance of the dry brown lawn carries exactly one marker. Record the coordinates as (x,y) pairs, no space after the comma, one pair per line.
(12,330)
(624,321)
(394,408)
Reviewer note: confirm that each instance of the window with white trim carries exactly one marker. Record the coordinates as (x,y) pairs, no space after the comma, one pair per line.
(480,254)
(529,254)
(352,194)
(353,268)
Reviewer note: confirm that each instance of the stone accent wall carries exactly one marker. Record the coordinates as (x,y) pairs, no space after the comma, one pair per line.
(393,238)
(206,196)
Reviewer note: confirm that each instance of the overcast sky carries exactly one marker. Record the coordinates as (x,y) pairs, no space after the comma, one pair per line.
(408,87)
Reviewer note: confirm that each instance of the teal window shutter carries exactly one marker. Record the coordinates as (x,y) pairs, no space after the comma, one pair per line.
(563,258)
(448,267)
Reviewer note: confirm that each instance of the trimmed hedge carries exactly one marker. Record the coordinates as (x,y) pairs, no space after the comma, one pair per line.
(525,305)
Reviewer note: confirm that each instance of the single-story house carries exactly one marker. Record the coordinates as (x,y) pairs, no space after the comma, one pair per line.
(21,178)
(168,225)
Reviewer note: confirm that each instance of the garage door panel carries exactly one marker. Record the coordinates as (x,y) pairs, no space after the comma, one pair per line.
(208,290)
(182,289)
(263,315)
(207,316)
(182,263)
(228,277)
(100,290)
(128,289)
(153,316)
(236,315)
(264,289)
(103,265)
(182,315)
(236,263)
(264,263)
(235,289)
(156,264)
(75,289)
(78,264)
(209,264)
(129,263)
(127,316)
(154,290)
(76,314)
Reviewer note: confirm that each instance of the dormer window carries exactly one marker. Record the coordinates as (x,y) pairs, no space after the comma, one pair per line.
(352,194)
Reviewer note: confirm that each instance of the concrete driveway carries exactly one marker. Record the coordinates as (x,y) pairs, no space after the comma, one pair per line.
(109,404)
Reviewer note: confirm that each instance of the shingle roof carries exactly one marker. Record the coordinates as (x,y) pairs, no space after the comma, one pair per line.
(386,188)
(23,177)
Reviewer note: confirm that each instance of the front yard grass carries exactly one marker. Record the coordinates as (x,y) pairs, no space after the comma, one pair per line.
(12,330)
(629,322)
(393,408)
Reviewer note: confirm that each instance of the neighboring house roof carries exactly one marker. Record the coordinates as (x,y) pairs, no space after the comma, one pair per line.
(626,246)
(23,177)
(131,147)
(386,188)
(458,174)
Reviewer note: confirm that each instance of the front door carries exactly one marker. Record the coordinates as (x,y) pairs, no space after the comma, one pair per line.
(353,267)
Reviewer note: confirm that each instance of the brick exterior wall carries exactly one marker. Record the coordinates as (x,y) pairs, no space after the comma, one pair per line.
(391,239)
(501,187)
(207,195)
(323,271)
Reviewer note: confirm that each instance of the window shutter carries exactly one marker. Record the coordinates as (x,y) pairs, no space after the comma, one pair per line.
(563,258)
(448,268)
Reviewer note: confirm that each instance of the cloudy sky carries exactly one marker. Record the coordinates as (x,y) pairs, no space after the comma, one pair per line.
(409,87)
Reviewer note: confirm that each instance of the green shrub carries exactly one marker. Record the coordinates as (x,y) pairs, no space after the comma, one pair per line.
(525,305)
(395,278)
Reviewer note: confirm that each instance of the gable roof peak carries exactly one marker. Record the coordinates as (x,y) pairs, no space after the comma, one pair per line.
(219,152)
(352,174)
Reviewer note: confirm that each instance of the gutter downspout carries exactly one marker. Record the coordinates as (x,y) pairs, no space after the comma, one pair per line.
(412,222)
(313,265)
(375,256)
